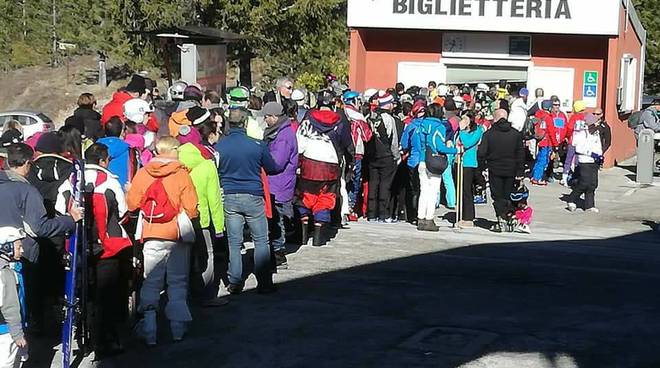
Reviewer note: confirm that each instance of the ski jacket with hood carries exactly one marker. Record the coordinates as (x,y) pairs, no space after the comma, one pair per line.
(411,142)
(241,161)
(360,130)
(47,174)
(204,176)
(385,142)
(115,107)
(23,208)
(109,210)
(138,143)
(518,114)
(180,192)
(91,120)
(546,128)
(502,151)
(283,146)
(576,118)
(323,138)
(123,159)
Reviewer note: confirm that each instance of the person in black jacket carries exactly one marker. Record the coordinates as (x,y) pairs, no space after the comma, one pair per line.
(85,118)
(23,207)
(384,156)
(603,129)
(502,153)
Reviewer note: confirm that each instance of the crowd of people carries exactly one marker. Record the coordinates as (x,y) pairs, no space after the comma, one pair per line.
(176,184)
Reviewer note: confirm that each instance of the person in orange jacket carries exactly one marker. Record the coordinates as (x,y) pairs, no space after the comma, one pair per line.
(161,191)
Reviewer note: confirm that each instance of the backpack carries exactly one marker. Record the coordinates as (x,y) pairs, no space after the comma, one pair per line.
(635,119)
(156,206)
(529,129)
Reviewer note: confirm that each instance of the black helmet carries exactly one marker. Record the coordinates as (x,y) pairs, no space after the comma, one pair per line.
(325,98)
(520,194)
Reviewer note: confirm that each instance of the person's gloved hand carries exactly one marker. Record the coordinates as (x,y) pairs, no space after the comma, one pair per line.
(597,158)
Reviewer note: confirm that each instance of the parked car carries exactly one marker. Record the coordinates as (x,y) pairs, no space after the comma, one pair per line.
(32,121)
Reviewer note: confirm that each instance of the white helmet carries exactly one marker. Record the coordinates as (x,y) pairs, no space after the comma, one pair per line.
(298,96)
(460,103)
(482,87)
(176,90)
(368,94)
(442,90)
(135,110)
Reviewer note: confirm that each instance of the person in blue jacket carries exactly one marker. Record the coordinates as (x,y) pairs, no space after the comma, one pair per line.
(120,157)
(469,137)
(434,135)
(411,146)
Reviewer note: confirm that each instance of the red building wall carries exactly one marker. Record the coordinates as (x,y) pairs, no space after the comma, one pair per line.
(376,53)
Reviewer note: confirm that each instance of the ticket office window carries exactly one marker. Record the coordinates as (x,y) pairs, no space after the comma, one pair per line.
(627,84)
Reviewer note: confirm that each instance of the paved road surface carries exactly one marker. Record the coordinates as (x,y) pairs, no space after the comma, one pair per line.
(582,291)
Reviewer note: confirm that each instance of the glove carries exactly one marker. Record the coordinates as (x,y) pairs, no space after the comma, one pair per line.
(597,158)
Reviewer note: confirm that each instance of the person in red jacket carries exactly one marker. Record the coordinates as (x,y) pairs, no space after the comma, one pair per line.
(560,122)
(547,138)
(136,88)
(576,120)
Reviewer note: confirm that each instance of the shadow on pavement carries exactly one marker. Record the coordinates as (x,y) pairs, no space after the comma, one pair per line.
(583,303)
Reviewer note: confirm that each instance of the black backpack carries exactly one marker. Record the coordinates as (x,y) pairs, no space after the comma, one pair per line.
(529,129)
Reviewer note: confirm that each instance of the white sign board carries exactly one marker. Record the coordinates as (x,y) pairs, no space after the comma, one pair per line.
(419,74)
(554,81)
(587,17)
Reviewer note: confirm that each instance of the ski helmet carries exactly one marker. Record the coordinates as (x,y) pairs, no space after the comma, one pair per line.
(239,97)
(325,99)
(520,194)
(350,98)
(176,90)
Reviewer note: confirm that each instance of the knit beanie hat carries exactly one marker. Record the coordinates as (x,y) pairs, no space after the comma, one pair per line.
(137,84)
(546,105)
(50,142)
(188,134)
(198,115)
(579,106)
(193,92)
(418,109)
(385,99)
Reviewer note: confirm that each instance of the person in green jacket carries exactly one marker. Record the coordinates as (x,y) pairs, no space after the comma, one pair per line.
(211,214)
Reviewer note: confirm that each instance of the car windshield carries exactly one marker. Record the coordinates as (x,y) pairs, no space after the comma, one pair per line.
(45,118)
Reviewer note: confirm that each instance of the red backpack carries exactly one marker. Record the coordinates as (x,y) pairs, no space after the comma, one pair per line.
(156,206)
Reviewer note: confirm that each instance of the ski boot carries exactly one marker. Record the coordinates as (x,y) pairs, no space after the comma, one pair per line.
(317,241)
(305,231)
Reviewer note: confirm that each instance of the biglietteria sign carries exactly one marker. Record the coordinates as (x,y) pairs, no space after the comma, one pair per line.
(597,17)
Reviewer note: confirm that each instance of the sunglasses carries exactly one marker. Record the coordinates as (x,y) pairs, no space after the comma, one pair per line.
(288,87)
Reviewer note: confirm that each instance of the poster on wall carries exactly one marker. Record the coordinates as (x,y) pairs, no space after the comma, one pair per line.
(212,66)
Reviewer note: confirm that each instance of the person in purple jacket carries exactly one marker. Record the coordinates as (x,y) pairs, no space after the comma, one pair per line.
(283,146)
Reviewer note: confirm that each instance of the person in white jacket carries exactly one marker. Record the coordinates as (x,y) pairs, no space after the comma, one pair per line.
(518,115)
(589,151)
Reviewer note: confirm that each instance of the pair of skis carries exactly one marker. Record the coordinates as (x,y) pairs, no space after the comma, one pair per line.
(75,265)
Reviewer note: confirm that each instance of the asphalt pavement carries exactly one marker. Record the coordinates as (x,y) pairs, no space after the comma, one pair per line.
(580,292)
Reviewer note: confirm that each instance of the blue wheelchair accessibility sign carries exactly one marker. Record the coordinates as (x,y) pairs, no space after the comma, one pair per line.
(590,90)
